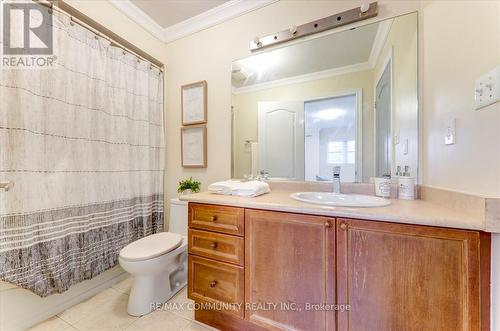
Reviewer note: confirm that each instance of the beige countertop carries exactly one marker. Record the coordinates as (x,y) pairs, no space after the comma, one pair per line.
(401,211)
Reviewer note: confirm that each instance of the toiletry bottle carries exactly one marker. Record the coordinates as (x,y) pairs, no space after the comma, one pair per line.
(406,185)
(383,186)
(398,171)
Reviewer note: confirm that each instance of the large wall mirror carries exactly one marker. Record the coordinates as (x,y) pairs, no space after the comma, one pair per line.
(345,99)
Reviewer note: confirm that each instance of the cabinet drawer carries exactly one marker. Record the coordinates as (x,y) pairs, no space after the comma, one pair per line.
(216,246)
(216,282)
(223,219)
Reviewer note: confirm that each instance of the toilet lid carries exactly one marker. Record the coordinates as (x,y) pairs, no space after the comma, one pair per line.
(151,246)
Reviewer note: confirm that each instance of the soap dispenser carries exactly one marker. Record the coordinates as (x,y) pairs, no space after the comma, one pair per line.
(383,186)
(406,185)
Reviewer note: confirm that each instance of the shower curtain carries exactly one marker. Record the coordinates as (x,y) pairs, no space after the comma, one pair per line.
(82,143)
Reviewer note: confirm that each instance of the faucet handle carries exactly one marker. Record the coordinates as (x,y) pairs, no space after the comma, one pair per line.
(263,175)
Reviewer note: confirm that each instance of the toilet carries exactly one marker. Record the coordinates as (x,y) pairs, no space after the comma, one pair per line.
(158,263)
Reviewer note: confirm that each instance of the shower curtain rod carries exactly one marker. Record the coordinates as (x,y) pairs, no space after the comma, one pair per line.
(99,30)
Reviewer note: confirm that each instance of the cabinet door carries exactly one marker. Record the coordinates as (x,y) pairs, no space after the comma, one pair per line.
(290,262)
(406,277)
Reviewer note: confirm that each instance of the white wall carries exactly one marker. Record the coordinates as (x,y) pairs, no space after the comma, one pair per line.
(103,12)
(461,41)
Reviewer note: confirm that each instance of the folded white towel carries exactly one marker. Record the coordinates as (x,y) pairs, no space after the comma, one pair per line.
(223,187)
(250,189)
(243,189)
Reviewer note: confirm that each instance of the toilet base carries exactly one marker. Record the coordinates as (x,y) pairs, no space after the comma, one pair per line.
(150,291)
(156,280)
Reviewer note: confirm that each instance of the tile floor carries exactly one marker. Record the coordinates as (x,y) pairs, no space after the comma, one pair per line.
(107,311)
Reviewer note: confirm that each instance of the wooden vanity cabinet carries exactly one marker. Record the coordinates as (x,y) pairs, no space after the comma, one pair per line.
(410,277)
(290,262)
(216,257)
(391,276)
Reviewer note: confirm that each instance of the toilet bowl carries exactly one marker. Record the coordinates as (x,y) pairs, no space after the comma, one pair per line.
(158,263)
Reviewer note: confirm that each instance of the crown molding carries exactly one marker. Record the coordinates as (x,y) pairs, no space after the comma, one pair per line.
(138,16)
(212,17)
(378,43)
(304,78)
(205,20)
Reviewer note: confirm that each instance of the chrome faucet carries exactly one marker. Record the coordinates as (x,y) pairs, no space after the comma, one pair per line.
(336,179)
(263,176)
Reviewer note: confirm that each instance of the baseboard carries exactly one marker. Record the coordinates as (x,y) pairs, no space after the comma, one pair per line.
(20,309)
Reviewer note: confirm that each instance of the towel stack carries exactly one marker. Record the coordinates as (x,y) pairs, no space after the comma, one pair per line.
(251,188)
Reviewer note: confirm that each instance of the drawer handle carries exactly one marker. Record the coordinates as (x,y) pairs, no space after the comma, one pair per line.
(213,218)
(343,226)
(213,283)
(214,245)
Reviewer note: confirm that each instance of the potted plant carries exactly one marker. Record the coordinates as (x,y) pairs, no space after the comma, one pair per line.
(188,186)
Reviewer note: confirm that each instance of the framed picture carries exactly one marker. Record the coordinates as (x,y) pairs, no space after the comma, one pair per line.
(194,146)
(194,103)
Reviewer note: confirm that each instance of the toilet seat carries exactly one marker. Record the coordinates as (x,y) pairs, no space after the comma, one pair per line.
(151,246)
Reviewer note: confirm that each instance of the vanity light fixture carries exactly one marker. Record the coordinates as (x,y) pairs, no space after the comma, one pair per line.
(365,11)
(257,42)
(364,7)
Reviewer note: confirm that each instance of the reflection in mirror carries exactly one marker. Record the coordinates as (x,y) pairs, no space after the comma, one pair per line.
(330,126)
(346,99)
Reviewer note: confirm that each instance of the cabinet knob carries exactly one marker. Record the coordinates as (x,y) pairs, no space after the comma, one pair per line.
(328,224)
(343,226)
(213,283)
(214,245)
(213,218)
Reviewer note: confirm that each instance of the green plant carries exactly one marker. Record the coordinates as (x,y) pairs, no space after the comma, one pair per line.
(189,184)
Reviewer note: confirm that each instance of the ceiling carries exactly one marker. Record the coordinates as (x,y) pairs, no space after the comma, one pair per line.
(333,51)
(169,20)
(170,12)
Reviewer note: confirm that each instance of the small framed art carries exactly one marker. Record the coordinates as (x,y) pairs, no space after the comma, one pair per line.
(194,103)
(194,146)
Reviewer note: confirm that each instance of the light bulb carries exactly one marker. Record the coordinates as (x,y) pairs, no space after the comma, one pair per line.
(364,7)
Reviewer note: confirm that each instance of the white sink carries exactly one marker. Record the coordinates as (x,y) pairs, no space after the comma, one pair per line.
(340,200)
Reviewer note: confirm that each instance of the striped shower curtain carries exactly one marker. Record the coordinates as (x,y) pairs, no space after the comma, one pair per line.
(82,142)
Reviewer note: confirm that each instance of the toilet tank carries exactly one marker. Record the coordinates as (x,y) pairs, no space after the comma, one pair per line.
(178,220)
